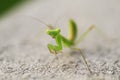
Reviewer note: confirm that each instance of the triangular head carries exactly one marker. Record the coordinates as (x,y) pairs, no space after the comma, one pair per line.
(53,32)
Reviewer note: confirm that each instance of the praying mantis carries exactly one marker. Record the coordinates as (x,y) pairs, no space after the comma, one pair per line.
(69,42)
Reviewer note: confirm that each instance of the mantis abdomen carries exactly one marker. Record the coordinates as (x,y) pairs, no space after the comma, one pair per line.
(72,31)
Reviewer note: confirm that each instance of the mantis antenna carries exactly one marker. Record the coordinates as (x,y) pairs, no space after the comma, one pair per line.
(49,26)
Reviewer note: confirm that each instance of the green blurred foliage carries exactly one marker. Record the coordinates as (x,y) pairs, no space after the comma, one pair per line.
(7,5)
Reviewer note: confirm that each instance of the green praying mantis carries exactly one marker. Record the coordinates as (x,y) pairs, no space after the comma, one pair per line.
(62,41)
(69,42)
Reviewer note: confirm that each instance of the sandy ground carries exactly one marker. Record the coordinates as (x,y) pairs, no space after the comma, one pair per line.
(24,56)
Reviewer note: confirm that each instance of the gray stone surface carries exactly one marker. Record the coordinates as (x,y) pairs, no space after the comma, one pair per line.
(24,55)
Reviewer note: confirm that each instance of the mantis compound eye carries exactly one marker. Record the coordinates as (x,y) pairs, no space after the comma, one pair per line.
(58,30)
(53,31)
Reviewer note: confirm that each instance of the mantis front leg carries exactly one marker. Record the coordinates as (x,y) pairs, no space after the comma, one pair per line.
(54,48)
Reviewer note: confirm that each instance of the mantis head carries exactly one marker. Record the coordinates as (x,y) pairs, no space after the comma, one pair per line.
(53,32)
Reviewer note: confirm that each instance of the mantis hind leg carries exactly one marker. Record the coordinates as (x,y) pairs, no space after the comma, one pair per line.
(84,59)
(81,38)
(85,34)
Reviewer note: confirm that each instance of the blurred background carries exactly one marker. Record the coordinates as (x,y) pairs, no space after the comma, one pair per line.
(23,40)
(17,14)
(9,5)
